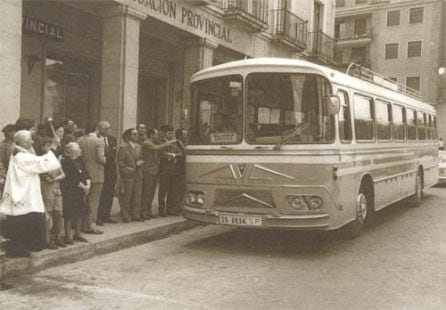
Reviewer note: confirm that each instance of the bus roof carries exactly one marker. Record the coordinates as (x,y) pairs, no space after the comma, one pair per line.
(270,64)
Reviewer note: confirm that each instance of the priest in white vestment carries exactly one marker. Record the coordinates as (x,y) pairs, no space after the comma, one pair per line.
(22,197)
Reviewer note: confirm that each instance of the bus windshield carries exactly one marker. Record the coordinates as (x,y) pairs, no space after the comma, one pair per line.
(287,108)
(217,109)
(281,108)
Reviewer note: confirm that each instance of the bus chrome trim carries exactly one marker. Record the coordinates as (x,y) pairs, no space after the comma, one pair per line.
(273,172)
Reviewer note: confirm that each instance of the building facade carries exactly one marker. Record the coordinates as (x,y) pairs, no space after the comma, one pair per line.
(400,39)
(129,61)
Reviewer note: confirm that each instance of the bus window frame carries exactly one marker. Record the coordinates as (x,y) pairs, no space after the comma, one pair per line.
(390,123)
(372,113)
(345,93)
(245,111)
(408,127)
(403,110)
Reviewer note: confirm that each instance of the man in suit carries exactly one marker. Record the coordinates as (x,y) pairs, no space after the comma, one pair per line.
(168,172)
(93,154)
(129,164)
(151,156)
(110,174)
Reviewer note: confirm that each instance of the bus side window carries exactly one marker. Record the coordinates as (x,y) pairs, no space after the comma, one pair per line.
(429,129)
(399,127)
(420,126)
(411,124)
(345,124)
(364,118)
(434,131)
(383,120)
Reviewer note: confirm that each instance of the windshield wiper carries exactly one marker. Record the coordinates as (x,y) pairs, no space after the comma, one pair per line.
(299,128)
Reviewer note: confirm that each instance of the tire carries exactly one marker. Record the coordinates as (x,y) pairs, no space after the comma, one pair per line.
(363,214)
(415,199)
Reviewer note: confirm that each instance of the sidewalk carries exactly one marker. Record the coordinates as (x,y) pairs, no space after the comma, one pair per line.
(116,237)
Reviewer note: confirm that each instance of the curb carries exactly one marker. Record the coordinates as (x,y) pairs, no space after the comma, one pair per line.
(10,267)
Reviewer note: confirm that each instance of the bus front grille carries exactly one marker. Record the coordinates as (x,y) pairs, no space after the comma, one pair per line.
(247,201)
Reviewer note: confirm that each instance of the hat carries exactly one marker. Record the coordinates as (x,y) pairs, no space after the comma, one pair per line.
(9,128)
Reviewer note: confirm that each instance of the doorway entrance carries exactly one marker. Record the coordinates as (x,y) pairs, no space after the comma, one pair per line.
(152,100)
(68,90)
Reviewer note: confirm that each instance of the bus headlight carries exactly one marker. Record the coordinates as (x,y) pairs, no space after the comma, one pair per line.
(314,202)
(305,202)
(195,199)
(296,202)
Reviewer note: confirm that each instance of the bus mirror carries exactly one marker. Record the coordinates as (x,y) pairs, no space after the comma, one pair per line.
(333,104)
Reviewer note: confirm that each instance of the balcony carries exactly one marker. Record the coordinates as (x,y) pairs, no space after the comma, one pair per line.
(345,40)
(321,46)
(289,29)
(251,15)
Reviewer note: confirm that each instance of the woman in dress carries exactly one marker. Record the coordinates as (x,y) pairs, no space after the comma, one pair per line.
(75,188)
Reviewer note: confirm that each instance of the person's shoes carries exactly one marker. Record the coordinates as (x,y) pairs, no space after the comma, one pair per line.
(162,213)
(80,238)
(137,219)
(68,241)
(111,221)
(60,242)
(51,245)
(100,223)
(93,232)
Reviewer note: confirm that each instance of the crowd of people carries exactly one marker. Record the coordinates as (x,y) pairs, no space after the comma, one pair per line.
(58,182)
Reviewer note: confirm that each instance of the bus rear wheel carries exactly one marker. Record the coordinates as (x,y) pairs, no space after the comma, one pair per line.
(415,199)
(362,207)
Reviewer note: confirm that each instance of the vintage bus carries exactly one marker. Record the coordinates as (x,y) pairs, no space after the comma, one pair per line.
(288,144)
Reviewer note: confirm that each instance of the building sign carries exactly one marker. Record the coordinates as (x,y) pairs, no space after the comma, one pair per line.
(34,26)
(187,17)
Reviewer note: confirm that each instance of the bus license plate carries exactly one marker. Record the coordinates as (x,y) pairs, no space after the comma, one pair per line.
(240,220)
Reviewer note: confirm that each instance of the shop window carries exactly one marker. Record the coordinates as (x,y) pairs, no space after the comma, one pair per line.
(391,51)
(393,18)
(414,49)
(413,82)
(416,15)
(67,93)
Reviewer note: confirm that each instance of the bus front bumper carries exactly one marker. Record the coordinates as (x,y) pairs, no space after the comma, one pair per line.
(298,222)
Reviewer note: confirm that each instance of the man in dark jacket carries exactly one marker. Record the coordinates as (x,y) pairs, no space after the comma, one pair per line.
(110,174)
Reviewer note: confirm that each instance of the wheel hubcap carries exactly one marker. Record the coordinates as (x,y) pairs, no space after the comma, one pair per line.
(361,208)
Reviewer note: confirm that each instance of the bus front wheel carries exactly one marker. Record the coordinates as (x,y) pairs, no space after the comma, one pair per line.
(362,208)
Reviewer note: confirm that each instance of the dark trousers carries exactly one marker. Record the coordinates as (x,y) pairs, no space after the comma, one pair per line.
(166,198)
(148,193)
(130,197)
(107,194)
(26,232)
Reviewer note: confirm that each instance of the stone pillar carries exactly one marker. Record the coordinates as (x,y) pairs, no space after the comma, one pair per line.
(10,60)
(120,62)
(197,56)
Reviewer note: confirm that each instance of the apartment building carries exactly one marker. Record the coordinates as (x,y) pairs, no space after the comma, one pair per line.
(400,39)
(129,61)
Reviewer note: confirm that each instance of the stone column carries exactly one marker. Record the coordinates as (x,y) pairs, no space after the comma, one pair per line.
(10,60)
(120,62)
(197,56)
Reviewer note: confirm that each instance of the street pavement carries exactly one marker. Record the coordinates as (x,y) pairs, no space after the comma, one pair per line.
(398,263)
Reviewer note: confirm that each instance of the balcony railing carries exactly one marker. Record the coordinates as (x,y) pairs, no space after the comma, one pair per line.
(289,28)
(322,46)
(252,15)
